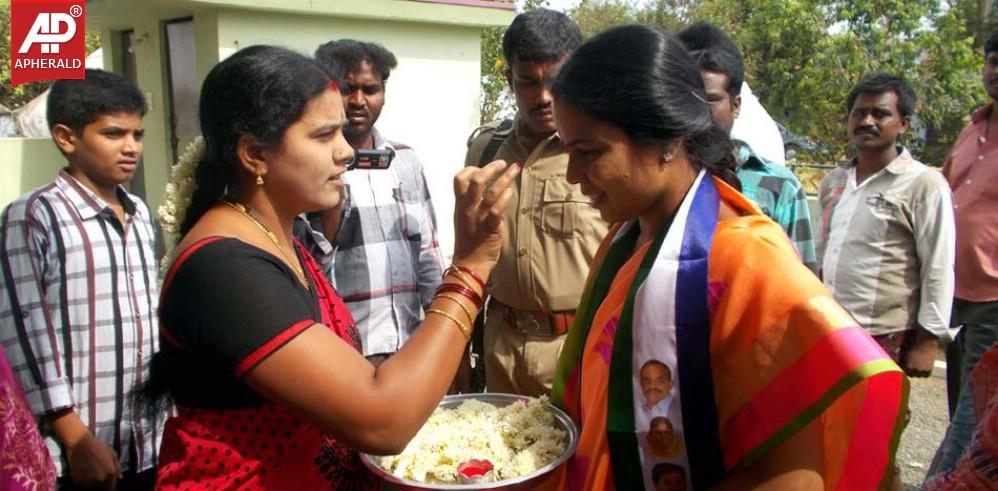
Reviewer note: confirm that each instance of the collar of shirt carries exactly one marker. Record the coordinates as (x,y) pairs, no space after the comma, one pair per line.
(901,164)
(380,143)
(86,202)
(522,149)
(310,225)
(746,157)
(981,114)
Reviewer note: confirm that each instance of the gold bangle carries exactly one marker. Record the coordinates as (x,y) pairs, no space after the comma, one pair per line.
(456,300)
(465,330)
(457,273)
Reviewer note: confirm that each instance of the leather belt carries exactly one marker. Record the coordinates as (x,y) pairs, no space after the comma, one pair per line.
(536,323)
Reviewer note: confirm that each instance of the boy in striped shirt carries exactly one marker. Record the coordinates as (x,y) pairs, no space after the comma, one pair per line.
(78,291)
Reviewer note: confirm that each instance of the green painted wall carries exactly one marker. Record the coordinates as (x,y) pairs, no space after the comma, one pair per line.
(25,164)
(152,80)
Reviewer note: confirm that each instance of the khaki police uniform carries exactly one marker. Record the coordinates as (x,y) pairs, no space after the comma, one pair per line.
(550,236)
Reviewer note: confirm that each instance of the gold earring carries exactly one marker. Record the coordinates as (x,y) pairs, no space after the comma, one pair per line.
(259,179)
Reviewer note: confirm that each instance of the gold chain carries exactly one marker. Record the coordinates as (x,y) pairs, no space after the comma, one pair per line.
(292,259)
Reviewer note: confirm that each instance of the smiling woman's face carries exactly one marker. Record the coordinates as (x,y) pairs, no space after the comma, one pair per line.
(621,178)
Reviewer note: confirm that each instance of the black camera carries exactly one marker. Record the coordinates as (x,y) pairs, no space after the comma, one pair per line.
(371,159)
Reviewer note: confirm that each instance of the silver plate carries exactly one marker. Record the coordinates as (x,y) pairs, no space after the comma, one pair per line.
(523,482)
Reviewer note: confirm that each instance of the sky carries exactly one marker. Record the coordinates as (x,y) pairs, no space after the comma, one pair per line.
(561,5)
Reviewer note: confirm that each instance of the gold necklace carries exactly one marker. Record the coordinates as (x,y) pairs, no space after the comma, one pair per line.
(292,259)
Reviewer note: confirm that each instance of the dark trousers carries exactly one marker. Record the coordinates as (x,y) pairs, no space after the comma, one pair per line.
(131,481)
(980,330)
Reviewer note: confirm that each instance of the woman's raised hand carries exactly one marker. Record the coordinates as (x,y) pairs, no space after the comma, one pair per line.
(481,195)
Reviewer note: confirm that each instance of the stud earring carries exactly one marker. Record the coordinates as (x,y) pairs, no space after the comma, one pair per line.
(259,179)
(668,157)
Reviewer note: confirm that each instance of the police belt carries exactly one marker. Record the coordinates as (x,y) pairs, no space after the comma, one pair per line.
(534,323)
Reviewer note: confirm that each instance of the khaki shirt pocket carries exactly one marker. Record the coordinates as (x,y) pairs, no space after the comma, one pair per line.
(561,205)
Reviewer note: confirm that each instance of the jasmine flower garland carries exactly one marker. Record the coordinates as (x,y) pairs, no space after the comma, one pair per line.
(178,194)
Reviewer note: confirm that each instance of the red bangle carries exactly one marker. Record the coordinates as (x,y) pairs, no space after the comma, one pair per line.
(474,275)
(462,290)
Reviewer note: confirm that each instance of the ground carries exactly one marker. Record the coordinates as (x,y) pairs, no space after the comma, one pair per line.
(929,417)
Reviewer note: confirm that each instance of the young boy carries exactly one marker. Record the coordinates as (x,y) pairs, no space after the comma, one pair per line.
(78,291)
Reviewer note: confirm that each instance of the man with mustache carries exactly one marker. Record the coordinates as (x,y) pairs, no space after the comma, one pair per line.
(972,170)
(656,385)
(887,236)
(551,235)
(382,252)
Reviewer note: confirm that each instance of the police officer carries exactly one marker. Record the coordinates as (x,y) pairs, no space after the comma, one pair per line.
(551,235)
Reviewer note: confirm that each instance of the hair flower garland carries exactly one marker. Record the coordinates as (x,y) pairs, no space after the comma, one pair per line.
(179,191)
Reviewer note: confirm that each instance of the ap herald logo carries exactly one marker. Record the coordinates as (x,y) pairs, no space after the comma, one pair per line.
(47,40)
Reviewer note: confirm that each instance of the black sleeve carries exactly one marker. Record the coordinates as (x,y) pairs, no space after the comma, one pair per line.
(232,304)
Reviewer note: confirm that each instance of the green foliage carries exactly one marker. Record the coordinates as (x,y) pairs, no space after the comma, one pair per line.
(595,16)
(495,97)
(803,56)
(980,18)
(14,97)
(497,101)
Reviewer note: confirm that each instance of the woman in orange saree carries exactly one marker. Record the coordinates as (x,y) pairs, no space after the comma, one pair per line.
(697,310)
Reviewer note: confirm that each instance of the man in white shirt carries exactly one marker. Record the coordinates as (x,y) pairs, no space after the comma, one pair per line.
(887,240)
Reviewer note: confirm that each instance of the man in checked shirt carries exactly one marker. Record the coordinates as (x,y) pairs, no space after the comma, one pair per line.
(380,248)
(78,296)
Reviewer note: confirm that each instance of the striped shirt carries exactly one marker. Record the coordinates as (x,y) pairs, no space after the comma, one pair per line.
(777,192)
(386,260)
(887,246)
(77,307)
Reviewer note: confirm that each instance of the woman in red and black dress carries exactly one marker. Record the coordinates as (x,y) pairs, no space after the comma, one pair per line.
(260,356)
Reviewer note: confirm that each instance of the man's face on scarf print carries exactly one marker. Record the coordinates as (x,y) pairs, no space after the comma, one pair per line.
(660,432)
(656,382)
(671,481)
